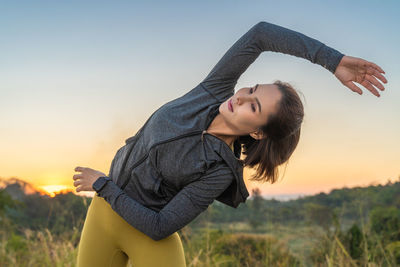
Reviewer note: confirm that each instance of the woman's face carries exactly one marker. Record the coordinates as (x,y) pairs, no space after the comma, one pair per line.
(248,109)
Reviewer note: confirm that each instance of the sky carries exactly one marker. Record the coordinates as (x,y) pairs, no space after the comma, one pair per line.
(77,78)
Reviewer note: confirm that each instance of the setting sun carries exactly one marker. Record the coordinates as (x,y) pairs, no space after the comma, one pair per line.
(53,189)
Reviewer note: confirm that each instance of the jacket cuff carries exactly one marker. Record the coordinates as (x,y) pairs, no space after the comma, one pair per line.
(110,192)
(331,58)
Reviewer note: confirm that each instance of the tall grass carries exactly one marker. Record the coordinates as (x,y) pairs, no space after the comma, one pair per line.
(214,247)
(38,248)
(333,247)
(211,247)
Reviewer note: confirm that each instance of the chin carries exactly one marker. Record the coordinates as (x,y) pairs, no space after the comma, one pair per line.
(220,108)
(223,108)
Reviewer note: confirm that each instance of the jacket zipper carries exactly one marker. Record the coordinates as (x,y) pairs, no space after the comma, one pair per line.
(156,144)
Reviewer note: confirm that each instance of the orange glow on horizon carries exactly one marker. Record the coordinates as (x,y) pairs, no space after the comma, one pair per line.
(52,190)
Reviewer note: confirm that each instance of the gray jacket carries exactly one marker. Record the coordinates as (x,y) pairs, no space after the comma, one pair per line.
(171,170)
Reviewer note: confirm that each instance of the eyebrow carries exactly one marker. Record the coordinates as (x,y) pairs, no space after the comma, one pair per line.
(258,101)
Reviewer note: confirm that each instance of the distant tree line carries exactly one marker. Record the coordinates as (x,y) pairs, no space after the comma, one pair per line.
(380,203)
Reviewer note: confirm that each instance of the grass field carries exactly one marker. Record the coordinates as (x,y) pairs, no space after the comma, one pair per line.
(213,245)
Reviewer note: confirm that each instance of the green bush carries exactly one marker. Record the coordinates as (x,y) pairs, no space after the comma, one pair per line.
(385,221)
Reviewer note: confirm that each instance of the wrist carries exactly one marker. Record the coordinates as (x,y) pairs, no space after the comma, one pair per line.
(100,183)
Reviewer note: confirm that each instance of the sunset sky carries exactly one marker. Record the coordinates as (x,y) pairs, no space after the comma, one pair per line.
(78,78)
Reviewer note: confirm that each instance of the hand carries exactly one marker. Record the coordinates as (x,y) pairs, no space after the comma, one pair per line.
(353,69)
(86,178)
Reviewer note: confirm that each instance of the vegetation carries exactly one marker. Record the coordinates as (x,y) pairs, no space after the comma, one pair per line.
(347,227)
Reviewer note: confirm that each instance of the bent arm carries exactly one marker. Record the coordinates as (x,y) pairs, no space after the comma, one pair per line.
(261,37)
(182,209)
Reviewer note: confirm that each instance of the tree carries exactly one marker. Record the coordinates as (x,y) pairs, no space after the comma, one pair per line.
(386,222)
(354,239)
(257,216)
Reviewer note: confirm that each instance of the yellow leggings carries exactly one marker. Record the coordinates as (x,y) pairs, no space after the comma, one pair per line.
(108,240)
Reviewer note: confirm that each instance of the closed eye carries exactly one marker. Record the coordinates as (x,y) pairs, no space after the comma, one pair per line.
(252,105)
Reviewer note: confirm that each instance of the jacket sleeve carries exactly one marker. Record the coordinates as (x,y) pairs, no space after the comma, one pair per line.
(185,206)
(261,37)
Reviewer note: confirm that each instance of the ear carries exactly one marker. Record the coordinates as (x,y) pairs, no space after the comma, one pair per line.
(257,134)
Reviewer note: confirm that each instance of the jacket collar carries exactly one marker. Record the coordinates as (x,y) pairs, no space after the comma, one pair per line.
(237,191)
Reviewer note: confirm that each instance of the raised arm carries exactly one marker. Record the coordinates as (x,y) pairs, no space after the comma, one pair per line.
(182,209)
(261,37)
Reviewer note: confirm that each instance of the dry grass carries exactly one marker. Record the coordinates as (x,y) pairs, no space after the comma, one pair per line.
(285,246)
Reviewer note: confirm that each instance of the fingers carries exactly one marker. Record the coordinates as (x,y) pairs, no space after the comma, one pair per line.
(380,77)
(376,71)
(376,67)
(353,87)
(79,169)
(78,182)
(368,85)
(374,81)
(83,187)
(77,176)
(373,72)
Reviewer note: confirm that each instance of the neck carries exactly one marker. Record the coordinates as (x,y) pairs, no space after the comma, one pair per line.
(220,129)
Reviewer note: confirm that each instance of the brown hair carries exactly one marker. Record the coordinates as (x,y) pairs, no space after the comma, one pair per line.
(282,134)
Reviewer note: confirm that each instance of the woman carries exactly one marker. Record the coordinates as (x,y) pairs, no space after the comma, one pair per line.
(187,154)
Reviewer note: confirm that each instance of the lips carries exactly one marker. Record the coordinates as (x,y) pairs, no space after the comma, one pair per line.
(230,106)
